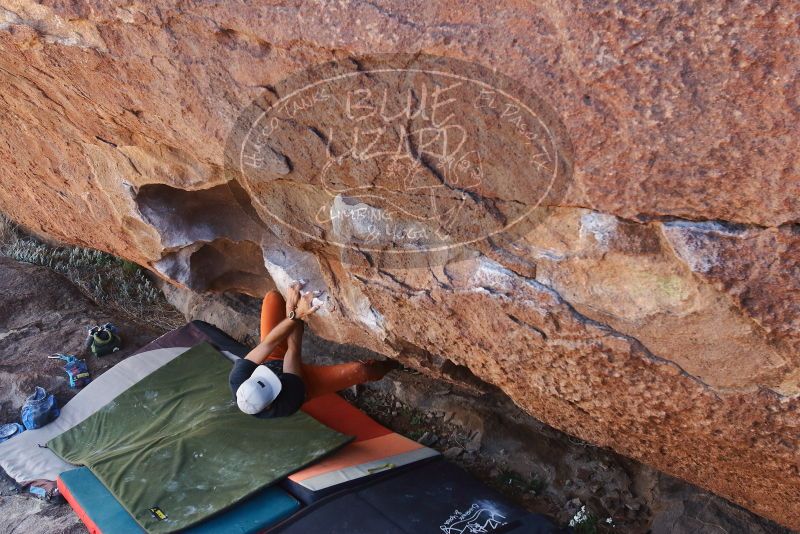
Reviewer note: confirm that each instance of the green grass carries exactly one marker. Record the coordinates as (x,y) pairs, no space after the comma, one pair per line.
(110,281)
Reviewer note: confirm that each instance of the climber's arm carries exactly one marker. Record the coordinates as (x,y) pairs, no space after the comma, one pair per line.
(297,306)
(293,361)
(281,331)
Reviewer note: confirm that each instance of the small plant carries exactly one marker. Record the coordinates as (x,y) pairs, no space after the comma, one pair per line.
(9,233)
(536,485)
(418,419)
(583,522)
(415,433)
(517,482)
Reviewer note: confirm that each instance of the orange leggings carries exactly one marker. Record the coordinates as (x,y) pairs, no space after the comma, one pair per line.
(319,379)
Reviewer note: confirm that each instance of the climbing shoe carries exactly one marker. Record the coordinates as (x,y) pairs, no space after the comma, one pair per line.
(77,370)
(103,340)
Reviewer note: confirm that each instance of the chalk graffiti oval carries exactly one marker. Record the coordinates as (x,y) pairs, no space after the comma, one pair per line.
(405,160)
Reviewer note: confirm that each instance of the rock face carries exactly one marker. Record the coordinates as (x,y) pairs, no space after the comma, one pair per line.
(653,308)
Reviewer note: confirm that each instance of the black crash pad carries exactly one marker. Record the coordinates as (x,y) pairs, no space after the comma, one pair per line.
(436,497)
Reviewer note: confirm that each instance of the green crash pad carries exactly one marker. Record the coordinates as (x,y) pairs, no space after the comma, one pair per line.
(174,449)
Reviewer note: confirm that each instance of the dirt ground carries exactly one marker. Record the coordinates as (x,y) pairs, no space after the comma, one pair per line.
(42,312)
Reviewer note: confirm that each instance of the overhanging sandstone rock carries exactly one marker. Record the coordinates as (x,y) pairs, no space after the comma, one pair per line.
(654,310)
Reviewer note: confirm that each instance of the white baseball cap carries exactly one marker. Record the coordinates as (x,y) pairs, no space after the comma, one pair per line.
(258,391)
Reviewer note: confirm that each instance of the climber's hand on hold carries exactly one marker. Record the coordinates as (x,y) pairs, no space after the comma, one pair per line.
(307,305)
(293,295)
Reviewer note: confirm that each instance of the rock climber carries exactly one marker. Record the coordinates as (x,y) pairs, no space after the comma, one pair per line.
(272,380)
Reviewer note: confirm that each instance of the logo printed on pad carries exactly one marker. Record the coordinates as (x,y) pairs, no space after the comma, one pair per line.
(158,513)
(480,517)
